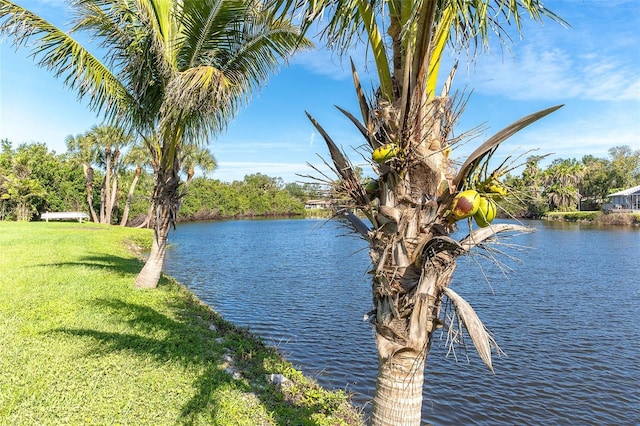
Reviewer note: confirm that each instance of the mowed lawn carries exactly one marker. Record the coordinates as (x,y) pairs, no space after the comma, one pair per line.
(80,345)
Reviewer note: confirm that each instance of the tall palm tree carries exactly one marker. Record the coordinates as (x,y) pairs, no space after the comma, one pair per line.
(408,131)
(175,71)
(110,140)
(137,156)
(84,149)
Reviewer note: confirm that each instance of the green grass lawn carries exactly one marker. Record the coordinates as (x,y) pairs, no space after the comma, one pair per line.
(80,345)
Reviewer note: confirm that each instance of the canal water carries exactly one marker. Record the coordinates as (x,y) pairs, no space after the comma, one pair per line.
(563,303)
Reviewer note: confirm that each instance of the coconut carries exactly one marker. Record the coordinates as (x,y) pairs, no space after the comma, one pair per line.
(487,211)
(385,152)
(465,204)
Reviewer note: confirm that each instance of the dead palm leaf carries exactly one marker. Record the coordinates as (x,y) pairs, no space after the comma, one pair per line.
(480,336)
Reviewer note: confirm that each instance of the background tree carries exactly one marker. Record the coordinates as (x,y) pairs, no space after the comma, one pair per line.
(84,149)
(409,130)
(200,157)
(597,182)
(173,71)
(625,167)
(137,156)
(526,192)
(109,142)
(562,178)
(21,189)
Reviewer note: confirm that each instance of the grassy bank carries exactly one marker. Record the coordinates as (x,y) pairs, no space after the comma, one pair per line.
(79,345)
(596,217)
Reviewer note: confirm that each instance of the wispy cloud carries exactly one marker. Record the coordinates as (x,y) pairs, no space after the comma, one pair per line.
(552,74)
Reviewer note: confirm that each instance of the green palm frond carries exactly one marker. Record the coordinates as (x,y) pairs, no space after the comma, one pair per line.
(58,52)
(490,144)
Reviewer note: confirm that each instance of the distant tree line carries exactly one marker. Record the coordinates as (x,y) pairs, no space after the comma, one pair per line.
(570,185)
(107,175)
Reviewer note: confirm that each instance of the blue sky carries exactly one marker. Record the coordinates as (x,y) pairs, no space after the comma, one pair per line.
(593,68)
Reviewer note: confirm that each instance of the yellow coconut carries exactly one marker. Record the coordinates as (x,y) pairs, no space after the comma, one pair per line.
(487,211)
(385,152)
(465,204)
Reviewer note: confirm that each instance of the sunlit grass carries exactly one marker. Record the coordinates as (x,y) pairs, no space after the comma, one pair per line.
(80,345)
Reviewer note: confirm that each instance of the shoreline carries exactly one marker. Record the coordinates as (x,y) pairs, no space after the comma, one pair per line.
(595,218)
(82,345)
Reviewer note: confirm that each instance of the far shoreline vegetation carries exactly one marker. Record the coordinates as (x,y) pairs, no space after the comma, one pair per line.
(34,180)
(595,217)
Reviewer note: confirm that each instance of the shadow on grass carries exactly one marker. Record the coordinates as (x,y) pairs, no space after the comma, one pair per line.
(189,341)
(121,265)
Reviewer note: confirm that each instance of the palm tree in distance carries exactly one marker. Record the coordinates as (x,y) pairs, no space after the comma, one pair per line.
(200,157)
(110,141)
(173,71)
(137,156)
(84,149)
(417,197)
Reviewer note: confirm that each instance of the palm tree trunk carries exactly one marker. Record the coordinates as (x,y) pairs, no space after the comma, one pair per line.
(88,179)
(150,274)
(398,397)
(127,206)
(166,201)
(105,195)
(113,193)
(147,220)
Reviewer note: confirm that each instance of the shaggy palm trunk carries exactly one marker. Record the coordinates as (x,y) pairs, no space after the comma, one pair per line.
(413,266)
(404,336)
(166,201)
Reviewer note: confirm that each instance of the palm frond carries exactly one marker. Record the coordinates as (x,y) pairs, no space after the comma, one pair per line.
(362,99)
(57,51)
(343,166)
(378,48)
(480,336)
(363,130)
(476,156)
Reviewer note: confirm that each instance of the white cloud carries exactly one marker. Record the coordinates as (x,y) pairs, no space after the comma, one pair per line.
(554,74)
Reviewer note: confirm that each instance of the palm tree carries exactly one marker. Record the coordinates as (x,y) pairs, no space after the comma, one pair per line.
(110,140)
(195,156)
(563,178)
(137,156)
(174,72)
(84,149)
(408,133)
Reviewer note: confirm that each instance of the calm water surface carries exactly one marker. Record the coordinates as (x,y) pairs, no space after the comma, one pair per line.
(567,316)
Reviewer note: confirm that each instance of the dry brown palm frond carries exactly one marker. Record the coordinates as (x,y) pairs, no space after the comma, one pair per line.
(480,336)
